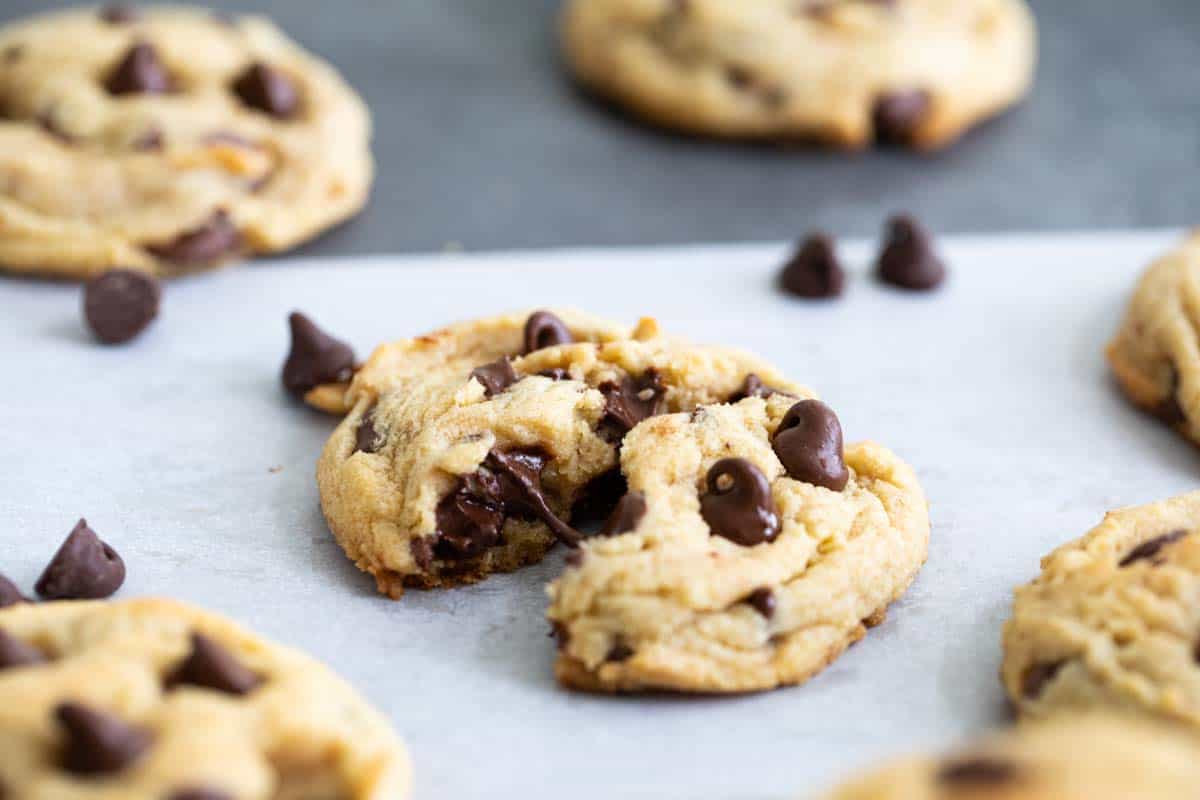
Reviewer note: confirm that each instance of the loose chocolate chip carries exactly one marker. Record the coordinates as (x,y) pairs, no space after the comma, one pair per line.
(908,259)
(366,438)
(265,88)
(422,551)
(559,633)
(199,793)
(808,443)
(98,743)
(1151,548)
(898,116)
(556,374)
(315,357)
(752,387)
(543,330)
(84,568)
(1037,676)
(630,401)
(496,377)
(738,504)
(120,304)
(763,601)
(208,243)
(139,72)
(619,651)
(10,595)
(981,771)
(119,14)
(15,653)
(211,666)
(813,271)
(626,516)
(1169,409)
(599,497)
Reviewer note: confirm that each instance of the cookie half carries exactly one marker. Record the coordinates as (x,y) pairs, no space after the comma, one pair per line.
(846,72)
(152,699)
(169,139)
(1113,621)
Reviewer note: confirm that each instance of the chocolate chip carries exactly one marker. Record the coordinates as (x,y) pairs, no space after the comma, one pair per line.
(619,651)
(120,304)
(1037,676)
(139,72)
(211,666)
(10,595)
(908,259)
(1148,550)
(199,793)
(469,522)
(519,473)
(738,504)
(599,497)
(84,568)
(752,386)
(808,443)
(543,330)
(208,243)
(763,601)
(813,271)
(16,653)
(422,552)
(98,743)
(264,88)
(119,14)
(366,438)
(496,377)
(315,357)
(898,116)
(559,632)
(981,771)
(630,401)
(626,516)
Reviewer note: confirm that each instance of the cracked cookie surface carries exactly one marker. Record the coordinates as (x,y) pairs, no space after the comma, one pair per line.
(122,699)
(168,139)
(1114,619)
(847,72)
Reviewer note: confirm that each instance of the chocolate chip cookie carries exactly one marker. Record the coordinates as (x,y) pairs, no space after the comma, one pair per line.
(1155,355)
(168,140)
(1114,619)
(1076,758)
(750,550)
(155,700)
(916,73)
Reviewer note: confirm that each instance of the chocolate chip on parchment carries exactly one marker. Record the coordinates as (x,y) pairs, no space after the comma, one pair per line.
(898,115)
(630,401)
(366,438)
(139,72)
(907,258)
(1037,676)
(199,793)
(211,666)
(737,504)
(752,386)
(84,568)
(97,742)
(763,601)
(978,771)
(626,516)
(1150,549)
(214,239)
(543,330)
(315,357)
(814,271)
(16,653)
(808,443)
(10,595)
(120,304)
(265,88)
(496,377)
(119,14)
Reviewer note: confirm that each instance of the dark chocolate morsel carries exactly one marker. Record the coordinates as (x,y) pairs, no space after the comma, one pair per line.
(96,742)
(84,568)
(898,115)
(626,516)
(1037,676)
(808,443)
(599,497)
(16,653)
(366,438)
(752,386)
(979,771)
(208,243)
(763,601)
(120,304)
(211,666)
(1150,549)
(10,595)
(496,377)
(315,357)
(544,329)
(264,88)
(630,401)
(908,259)
(138,72)
(738,504)
(814,271)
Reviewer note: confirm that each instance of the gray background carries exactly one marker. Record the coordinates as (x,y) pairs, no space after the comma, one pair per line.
(482,142)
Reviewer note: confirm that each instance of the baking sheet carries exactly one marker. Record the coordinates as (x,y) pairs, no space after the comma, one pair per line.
(183,452)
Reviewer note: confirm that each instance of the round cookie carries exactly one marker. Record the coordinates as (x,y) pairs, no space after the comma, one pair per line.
(694,592)
(1155,354)
(441,475)
(1076,758)
(155,700)
(168,139)
(845,72)
(1114,619)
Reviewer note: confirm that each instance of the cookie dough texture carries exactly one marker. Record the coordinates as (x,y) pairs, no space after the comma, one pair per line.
(1113,621)
(782,69)
(91,180)
(1077,758)
(301,733)
(669,606)
(1156,354)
